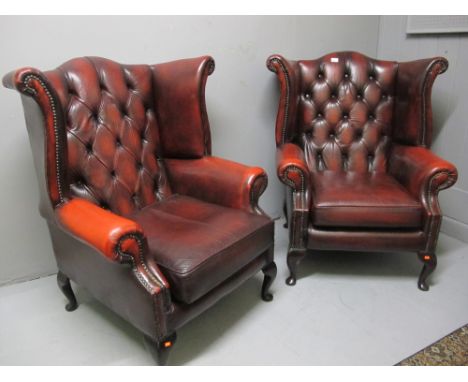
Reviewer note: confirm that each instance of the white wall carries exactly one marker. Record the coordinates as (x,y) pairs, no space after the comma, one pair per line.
(241,94)
(450,104)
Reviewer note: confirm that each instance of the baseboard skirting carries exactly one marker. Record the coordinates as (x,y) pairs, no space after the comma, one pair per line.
(25,278)
(454,228)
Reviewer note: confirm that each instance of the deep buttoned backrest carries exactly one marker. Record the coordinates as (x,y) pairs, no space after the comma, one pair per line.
(112,133)
(344,111)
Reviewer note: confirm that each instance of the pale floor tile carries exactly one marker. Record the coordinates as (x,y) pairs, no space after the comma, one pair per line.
(346,309)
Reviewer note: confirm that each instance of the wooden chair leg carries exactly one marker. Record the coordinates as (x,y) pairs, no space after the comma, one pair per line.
(160,349)
(63,283)
(285,212)
(430,263)
(269,271)
(294,258)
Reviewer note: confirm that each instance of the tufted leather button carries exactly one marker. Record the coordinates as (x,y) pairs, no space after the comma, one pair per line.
(331,135)
(308,133)
(112,174)
(320,75)
(307,96)
(359,96)
(384,96)
(139,165)
(371,116)
(346,75)
(345,115)
(89,147)
(319,115)
(333,96)
(118,143)
(371,77)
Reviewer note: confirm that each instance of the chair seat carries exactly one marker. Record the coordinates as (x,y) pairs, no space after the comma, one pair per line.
(373,200)
(199,245)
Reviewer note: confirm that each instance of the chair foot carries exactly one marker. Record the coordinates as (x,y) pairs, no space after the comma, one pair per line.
(430,263)
(269,271)
(63,283)
(160,349)
(285,212)
(294,258)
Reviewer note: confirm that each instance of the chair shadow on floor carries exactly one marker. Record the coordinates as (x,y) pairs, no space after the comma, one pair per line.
(359,264)
(198,335)
(205,330)
(365,264)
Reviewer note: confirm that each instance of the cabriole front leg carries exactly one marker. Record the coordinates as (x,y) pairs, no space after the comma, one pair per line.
(269,271)
(63,283)
(430,263)
(294,258)
(285,212)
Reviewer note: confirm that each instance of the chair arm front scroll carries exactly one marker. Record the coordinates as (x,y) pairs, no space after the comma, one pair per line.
(292,168)
(218,181)
(294,173)
(117,238)
(422,172)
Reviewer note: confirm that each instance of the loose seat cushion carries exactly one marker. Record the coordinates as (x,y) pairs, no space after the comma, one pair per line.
(198,245)
(351,199)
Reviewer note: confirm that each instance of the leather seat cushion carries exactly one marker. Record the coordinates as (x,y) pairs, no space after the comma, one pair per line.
(198,245)
(371,199)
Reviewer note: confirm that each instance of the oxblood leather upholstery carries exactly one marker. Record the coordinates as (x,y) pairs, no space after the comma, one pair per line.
(139,211)
(353,136)
(344,199)
(198,245)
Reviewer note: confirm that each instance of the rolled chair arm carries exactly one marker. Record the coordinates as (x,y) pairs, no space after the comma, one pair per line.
(422,172)
(292,168)
(101,229)
(218,181)
(117,238)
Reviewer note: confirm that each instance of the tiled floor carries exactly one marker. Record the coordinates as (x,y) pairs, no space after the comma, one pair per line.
(346,309)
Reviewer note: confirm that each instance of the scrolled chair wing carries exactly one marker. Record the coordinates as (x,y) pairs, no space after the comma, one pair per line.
(138,210)
(353,135)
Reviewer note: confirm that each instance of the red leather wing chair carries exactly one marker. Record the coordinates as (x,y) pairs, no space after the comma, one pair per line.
(139,212)
(353,138)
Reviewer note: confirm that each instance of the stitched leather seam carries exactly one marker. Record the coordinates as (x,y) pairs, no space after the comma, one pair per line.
(291,183)
(32,91)
(301,190)
(287,98)
(126,257)
(254,196)
(210,67)
(426,83)
(129,258)
(431,188)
